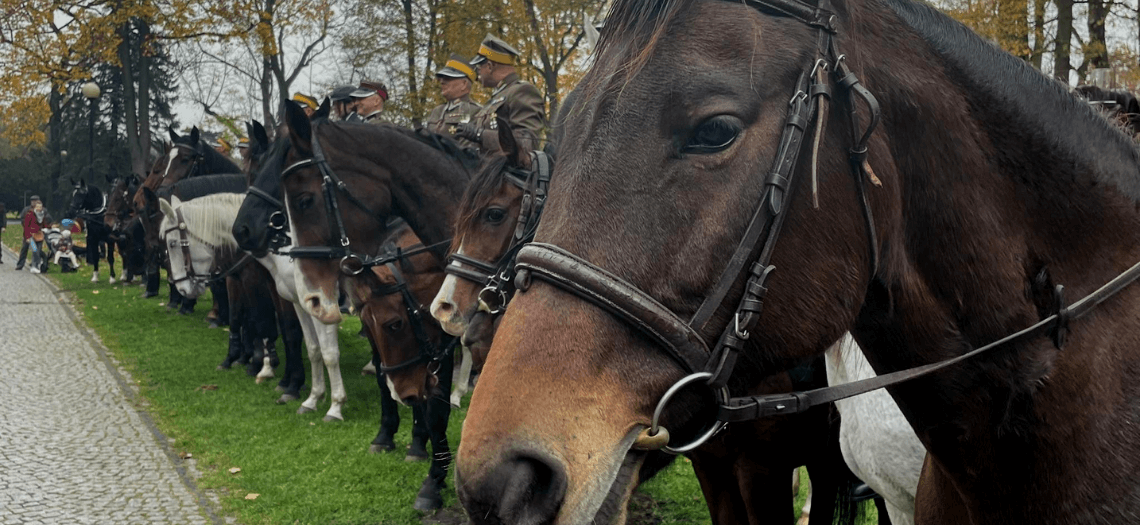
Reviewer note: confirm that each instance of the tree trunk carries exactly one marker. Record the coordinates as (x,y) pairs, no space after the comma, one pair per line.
(130,103)
(1038,33)
(1061,65)
(1096,49)
(55,132)
(549,72)
(143,134)
(266,87)
(415,99)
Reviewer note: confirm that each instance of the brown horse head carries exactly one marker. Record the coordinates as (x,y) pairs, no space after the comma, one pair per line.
(381,170)
(120,209)
(484,228)
(391,298)
(996,184)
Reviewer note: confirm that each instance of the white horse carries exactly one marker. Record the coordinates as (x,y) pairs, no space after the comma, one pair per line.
(878,443)
(209,221)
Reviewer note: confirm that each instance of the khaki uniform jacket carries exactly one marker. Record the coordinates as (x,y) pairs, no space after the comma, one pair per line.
(445,117)
(525,113)
(376,117)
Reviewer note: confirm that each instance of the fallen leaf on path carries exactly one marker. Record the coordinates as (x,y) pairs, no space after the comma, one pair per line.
(251,496)
(235,470)
(95,291)
(185,455)
(207,387)
(94,307)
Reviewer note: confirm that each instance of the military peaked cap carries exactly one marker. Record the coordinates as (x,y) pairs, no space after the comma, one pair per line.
(306,100)
(495,50)
(371,87)
(457,67)
(341,93)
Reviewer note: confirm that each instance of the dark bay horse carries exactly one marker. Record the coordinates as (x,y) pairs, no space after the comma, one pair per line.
(987,186)
(418,177)
(404,339)
(125,231)
(90,204)
(742,480)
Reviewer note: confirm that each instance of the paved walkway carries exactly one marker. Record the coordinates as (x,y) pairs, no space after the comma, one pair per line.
(74,447)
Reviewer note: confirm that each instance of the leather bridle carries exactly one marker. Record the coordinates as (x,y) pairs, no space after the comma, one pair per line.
(429,353)
(351,262)
(498,277)
(196,162)
(683,341)
(216,275)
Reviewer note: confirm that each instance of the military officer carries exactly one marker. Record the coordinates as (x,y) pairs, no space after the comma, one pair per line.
(455,80)
(308,104)
(342,101)
(370,97)
(243,148)
(495,65)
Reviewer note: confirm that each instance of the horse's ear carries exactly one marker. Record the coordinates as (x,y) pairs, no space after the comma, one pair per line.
(149,198)
(73,183)
(194,135)
(173,135)
(175,201)
(507,141)
(260,134)
(324,110)
(300,129)
(167,209)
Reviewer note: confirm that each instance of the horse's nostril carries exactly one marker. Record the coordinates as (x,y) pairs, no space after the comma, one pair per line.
(445,306)
(411,400)
(529,488)
(314,303)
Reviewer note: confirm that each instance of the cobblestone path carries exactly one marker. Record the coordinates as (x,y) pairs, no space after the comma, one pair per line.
(74,447)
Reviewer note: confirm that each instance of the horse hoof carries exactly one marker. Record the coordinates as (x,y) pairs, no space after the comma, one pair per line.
(259,380)
(429,499)
(286,398)
(280,389)
(213,324)
(111,281)
(417,452)
(303,409)
(380,449)
(148,295)
(330,419)
(368,370)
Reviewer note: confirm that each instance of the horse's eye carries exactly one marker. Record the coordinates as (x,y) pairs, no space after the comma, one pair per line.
(305,202)
(713,135)
(395,326)
(495,215)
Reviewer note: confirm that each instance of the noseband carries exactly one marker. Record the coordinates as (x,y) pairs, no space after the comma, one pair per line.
(497,276)
(188,263)
(429,353)
(683,341)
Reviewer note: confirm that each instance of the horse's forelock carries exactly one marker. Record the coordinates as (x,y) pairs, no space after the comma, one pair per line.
(631,34)
(483,187)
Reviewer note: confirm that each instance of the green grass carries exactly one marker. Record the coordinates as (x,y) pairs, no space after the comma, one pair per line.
(304,470)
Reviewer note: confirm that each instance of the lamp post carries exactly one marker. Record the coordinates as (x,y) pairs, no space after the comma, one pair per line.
(91,91)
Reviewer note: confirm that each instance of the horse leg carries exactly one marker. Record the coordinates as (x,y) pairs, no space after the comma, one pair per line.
(330,353)
(389,414)
(314,338)
(805,512)
(890,514)
(110,258)
(438,413)
(292,337)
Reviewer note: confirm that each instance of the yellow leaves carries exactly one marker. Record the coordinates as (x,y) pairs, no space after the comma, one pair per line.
(25,119)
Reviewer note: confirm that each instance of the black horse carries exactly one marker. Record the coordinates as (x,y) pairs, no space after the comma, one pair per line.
(90,204)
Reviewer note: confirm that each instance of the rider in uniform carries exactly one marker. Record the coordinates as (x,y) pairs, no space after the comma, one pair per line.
(342,102)
(455,80)
(309,104)
(369,98)
(525,111)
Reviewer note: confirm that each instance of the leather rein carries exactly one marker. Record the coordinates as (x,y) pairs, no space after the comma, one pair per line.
(497,278)
(188,263)
(683,340)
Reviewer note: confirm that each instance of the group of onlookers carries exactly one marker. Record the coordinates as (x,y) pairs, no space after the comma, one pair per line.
(36,222)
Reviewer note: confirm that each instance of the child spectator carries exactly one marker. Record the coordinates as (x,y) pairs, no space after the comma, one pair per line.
(63,251)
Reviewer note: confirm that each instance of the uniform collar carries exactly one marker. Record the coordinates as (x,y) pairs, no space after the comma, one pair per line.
(373,115)
(510,79)
(457,102)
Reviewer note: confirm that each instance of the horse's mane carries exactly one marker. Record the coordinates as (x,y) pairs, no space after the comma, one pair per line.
(211,218)
(1057,120)
(483,187)
(195,187)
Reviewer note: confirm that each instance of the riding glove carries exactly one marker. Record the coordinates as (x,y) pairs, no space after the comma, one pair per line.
(469,131)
